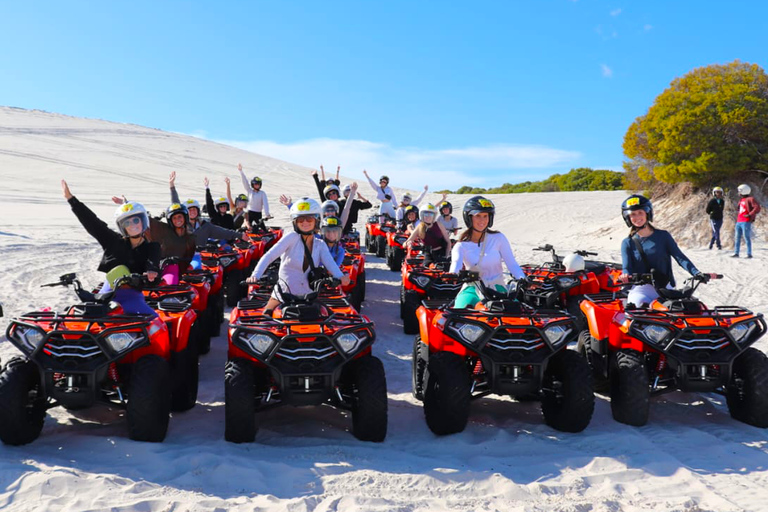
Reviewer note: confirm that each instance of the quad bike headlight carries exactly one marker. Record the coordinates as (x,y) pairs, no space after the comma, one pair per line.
(31,338)
(740,332)
(259,343)
(655,333)
(567,281)
(470,332)
(227,261)
(420,281)
(349,341)
(121,341)
(556,333)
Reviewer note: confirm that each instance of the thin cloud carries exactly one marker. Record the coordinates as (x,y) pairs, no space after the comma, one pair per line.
(615,12)
(647,27)
(415,167)
(607,72)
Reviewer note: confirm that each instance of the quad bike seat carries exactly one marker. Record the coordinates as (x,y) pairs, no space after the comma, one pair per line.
(595,267)
(302,312)
(504,306)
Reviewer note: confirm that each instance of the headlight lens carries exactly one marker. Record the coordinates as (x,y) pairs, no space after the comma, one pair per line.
(421,281)
(740,331)
(121,341)
(349,342)
(469,332)
(655,333)
(556,333)
(29,336)
(567,281)
(259,343)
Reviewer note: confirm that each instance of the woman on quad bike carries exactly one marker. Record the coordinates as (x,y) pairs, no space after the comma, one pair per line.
(218,210)
(410,220)
(648,250)
(385,194)
(432,233)
(408,201)
(356,205)
(257,199)
(482,250)
(330,228)
(449,222)
(299,254)
(128,248)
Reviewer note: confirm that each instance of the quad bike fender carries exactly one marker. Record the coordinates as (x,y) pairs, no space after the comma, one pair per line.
(433,336)
(598,318)
(589,284)
(159,344)
(618,335)
(200,301)
(182,328)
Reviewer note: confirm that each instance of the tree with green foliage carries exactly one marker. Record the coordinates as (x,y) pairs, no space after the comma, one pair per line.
(710,124)
(583,178)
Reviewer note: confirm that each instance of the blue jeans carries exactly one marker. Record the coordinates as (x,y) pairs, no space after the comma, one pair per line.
(715,225)
(743,229)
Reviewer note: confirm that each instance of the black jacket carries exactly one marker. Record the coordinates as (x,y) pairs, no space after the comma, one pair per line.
(117,249)
(356,207)
(715,208)
(224,220)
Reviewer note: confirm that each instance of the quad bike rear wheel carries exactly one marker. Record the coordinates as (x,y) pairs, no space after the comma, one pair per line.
(567,397)
(22,402)
(361,284)
(239,401)
(233,289)
(447,386)
(747,393)
(369,399)
(584,347)
(381,246)
(149,399)
(630,390)
(411,303)
(395,258)
(370,244)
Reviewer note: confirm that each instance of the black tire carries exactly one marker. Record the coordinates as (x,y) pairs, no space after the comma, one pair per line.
(185,373)
(381,246)
(233,288)
(215,311)
(389,255)
(361,284)
(397,259)
(369,399)
(22,402)
(200,334)
(369,243)
(355,300)
(567,398)
(630,390)
(584,347)
(239,401)
(402,300)
(419,367)
(411,303)
(447,386)
(149,399)
(747,394)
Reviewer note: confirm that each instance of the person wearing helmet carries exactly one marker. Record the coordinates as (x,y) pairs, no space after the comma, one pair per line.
(482,250)
(574,262)
(355,206)
(748,210)
(298,253)
(431,232)
(385,194)
(715,210)
(410,219)
(128,247)
(218,210)
(330,229)
(648,250)
(257,200)
(408,200)
(448,221)
(330,208)
(322,183)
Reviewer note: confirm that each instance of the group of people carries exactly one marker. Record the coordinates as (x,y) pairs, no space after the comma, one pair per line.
(748,208)
(141,241)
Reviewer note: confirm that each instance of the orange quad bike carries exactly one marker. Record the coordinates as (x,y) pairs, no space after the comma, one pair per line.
(676,343)
(395,252)
(93,352)
(315,349)
(354,266)
(503,347)
(205,304)
(210,266)
(233,264)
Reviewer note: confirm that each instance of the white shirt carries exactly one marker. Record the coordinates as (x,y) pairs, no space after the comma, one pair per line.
(387,205)
(257,200)
(292,277)
(467,255)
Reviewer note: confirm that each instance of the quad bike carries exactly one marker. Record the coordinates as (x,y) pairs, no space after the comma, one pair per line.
(606,272)
(677,343)
(420,282)
(503,347)
(354,266)
(206,304)
(376,233)
(395,252)
(92,352)
(233,264)
(268,235)
(212,271)
(315,349)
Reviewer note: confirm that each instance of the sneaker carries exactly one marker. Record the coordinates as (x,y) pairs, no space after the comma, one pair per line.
(749,256)
(734,255)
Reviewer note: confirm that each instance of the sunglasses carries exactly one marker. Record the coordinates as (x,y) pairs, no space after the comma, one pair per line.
(305,218)
(131,221)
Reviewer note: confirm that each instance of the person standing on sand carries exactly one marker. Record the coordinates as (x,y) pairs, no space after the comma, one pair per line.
(715,210)
(748,210)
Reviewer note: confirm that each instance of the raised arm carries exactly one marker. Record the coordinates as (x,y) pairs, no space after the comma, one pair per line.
(172,184)
(374,186)
(318,184)
(348,204)
(246,184)
(420,196)
(213,213)
(95,227)
(232,206)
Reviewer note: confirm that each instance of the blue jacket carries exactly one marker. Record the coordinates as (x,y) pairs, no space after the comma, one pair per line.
(659,250)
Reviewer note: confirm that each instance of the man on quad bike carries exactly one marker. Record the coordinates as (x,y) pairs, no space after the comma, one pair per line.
(300,255)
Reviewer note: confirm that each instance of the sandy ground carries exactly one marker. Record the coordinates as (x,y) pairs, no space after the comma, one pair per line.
(690,457)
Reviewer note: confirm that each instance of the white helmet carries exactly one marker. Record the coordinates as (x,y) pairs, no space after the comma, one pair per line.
(305,206)
(347,188)
(573,262)
(331,188)
(716,190)
(407,197)
(330,207)
(128,210)
(426,209)
(744,189)
(191,203)
(220,201)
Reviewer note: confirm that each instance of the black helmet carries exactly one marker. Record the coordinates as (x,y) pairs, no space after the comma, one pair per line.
(475,205)
(408,209)
(330,223)
(636,202)
(256,181)
(384,178)
(174,209)
(445,204)
(241,197)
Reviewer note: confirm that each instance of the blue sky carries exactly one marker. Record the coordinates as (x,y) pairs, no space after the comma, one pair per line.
(445,93)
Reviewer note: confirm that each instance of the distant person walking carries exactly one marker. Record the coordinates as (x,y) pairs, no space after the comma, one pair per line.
(748,210)
(715,210)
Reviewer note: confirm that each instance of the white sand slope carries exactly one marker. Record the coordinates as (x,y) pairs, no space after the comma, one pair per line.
(690,457)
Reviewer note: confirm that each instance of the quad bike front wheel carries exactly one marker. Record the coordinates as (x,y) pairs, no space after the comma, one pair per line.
(233,288)
(185,374)
(567,397)
(747,393)
(419,366)
(149,399)
(369,399)
(239,401)
(381,246)
(22,402)
(630,389)
(411,303)
(447,387)
(584,347)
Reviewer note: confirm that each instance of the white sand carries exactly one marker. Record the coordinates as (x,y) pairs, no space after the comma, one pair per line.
(690,457)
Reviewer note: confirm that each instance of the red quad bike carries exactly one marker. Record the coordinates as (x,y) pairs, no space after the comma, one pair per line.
(233,263)
(92,352)
(395,252)
(376,234)
(677,343)
(503,347)
(371,231)
(205,304)
(420,282)
(316,350)
(268,235)
(354,266)
(212,270)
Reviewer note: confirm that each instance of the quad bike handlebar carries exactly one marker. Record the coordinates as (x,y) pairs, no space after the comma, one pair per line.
(136,281)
